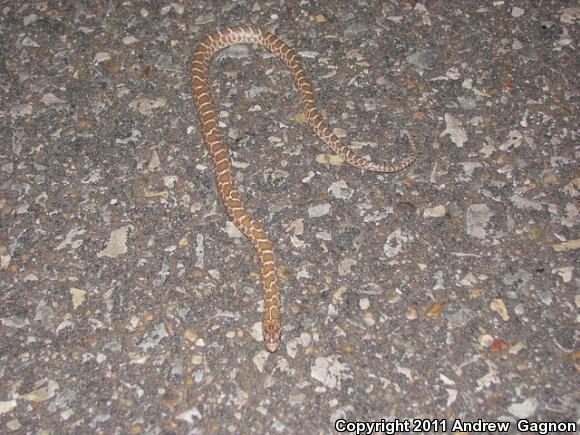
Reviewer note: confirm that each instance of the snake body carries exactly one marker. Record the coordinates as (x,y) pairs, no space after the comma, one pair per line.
(241,218)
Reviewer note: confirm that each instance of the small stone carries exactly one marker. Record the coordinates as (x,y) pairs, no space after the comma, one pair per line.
(50,99)
(405,371)
(478,217)
(405,207)
(517,12)
(328,159)
(420,7)
(525,409)
(29,19)
(364,303)
(29,42)
(259,360)
(498,345)
(573,187)
(422,59)
(296,227)
(345,266)
(294,308)
(102,57)
(7,406)
(369,319)
(340,190)
(525,204)
(485,340)
(190,335)
(459,318)
(499,307)
(189,415)
(41,391)
(570,15)
(434,310)
(296,399)
(145,106)
(411,313)
(78,296)
(14,424)
(329,371)
(291,347)
(469,168)
(154,161)
(572,216)
(66,414)
(232,231)
(256,331)
(128,40)
(199,342)
(21,110)
(338,293)
(437,211)
(319,210)
(453,73)
(14,322)
(453,128)
(469,104)
(301,118)
(567,246)
(394,243)
(346,348)
(565,273)
(117,244)
(305,339)
(515,349)
(5,261)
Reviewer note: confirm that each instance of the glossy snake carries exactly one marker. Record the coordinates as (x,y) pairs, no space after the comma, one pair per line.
(242,219)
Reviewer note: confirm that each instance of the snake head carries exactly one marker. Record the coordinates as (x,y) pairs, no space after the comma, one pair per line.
(271,332)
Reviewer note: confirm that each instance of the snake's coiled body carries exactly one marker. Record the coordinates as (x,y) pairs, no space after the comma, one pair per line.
(242,219)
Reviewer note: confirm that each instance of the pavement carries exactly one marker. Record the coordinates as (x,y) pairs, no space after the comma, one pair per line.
(442,297)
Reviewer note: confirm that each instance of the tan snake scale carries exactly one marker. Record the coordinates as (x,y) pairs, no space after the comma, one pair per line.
(242,219)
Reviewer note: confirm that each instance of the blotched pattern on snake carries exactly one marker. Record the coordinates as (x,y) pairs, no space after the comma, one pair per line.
(242,219)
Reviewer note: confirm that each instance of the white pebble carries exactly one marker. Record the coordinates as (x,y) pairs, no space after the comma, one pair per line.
(437,211)
(517,12)
(319,210)
(364,303)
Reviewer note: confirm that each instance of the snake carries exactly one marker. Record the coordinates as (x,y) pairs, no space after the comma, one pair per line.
(222,164)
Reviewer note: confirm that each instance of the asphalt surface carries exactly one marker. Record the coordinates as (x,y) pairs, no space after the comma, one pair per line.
(441,295)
